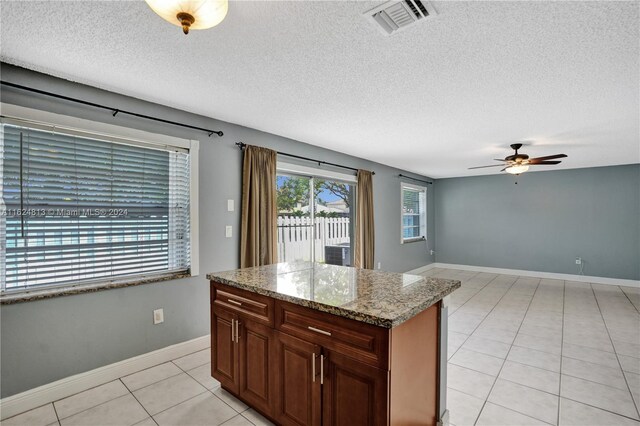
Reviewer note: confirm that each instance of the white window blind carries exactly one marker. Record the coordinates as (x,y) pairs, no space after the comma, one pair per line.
(77,209)
(414,214)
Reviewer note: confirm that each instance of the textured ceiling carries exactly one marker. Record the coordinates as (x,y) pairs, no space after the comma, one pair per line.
(449,93)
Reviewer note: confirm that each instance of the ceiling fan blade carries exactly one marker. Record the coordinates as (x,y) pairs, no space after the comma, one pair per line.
(500,159)
(533,163)
(482,167)
(548,157)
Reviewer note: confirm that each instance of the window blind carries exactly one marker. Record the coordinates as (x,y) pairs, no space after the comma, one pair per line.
(77,209)
(413,212)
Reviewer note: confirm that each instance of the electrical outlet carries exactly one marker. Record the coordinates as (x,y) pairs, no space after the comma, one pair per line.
(432,252)
(158,316)
(228,231)
(578,261)
(379,265)
(230,206)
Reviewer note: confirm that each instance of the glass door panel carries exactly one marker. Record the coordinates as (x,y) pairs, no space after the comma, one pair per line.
(333,224)
(295,222)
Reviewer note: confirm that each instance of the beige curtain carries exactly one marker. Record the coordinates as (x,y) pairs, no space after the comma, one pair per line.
(365,235)
(259,210)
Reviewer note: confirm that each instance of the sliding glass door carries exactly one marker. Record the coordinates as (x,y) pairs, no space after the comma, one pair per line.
(315,219)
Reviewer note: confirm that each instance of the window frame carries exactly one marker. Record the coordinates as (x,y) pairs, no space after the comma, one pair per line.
(284,168)
(423,225)
(44,120)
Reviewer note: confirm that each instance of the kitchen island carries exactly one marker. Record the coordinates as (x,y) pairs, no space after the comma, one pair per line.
(309,344)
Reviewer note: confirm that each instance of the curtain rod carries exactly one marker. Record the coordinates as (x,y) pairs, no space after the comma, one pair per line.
(242,145)
(114,111)
(419,180)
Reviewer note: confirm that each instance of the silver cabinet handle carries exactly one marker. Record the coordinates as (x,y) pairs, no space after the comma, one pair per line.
(322,369)
(237,331)
(313,367)
(233,330)
(317,330)
(235,302)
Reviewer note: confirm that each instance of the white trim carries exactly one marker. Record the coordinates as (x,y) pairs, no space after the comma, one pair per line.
(421,269)
(123,135)
(535,274)
(423,205)
(297,169)
(89,127)
(194,200)
(68,386)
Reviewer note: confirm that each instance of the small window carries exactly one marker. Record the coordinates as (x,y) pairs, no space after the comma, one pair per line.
(75,210)
(414,213)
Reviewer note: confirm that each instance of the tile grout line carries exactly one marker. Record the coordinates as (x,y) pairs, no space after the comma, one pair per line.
(505,359)
(564,301)
(485,317)
(56,413)
(137,400)
(629,299)
(466,301)
(635,404)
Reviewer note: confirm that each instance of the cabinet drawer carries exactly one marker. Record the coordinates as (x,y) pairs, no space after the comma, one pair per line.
(254,306)
(356,339)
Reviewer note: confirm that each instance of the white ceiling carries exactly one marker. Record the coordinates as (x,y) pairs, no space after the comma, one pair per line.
(449,93)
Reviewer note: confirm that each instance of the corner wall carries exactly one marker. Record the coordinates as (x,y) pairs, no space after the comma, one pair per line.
(544,222)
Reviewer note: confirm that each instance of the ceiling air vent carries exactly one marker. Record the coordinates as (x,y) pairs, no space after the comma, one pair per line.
(395,15)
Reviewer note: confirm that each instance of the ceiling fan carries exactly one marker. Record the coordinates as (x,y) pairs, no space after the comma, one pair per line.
(519,163)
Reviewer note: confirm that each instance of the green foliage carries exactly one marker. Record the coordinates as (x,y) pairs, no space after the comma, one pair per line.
(296,191)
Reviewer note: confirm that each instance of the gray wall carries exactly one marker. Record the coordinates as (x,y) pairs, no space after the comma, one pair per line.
(46,340)
(544,222)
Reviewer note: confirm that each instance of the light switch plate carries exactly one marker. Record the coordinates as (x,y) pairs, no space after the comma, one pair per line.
(230,205)
(228,231)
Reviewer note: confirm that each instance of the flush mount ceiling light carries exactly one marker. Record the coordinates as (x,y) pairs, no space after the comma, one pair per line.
(194,15)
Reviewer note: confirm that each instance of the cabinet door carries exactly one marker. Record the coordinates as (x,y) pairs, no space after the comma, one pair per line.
(353,393)
(257,365)
(224,352)
(299,399)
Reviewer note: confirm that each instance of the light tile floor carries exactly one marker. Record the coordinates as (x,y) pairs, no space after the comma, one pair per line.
(180,392)
(529,351)
(522,351)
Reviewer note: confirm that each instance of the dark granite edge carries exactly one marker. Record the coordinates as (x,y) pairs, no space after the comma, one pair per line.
(336,310)
(49,293)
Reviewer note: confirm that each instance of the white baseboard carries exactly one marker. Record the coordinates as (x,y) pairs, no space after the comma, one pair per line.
(421,269)
(535,274)
(68,386)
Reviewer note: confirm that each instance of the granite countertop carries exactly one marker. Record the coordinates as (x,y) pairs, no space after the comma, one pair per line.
(385,299)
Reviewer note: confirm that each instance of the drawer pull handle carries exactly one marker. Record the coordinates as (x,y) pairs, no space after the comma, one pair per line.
(235,302)
(317,330)
(322,369)
(313,367)
(233,330)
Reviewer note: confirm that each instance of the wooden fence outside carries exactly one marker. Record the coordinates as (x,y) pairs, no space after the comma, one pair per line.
(295,234)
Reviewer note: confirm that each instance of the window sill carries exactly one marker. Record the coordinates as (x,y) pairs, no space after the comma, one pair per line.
(9,298)
(413,240)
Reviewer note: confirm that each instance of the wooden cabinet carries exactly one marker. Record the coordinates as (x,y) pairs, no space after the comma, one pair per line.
(302,367)
(243,355)
(353,392)
(224,350)
(299,399)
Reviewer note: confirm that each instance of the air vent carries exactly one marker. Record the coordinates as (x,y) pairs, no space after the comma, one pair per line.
(395,15)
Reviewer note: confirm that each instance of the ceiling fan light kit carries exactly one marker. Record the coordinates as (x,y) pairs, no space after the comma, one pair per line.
(516,170)
(519,163)
(191,15)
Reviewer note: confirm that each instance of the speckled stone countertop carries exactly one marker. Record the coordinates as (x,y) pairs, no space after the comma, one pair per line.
(385,299)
